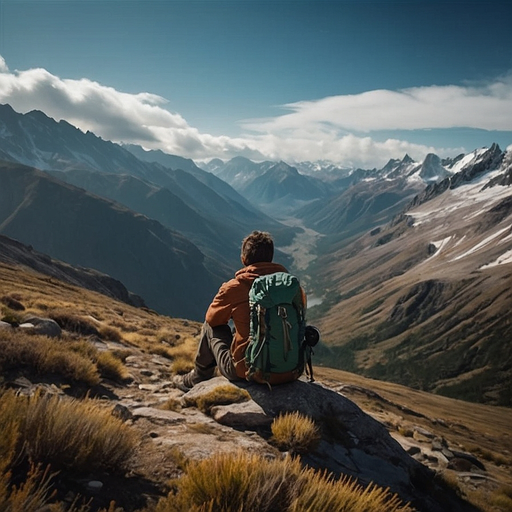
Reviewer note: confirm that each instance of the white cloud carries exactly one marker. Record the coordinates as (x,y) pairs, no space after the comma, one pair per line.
(3,65)
(487,107)
(311,130)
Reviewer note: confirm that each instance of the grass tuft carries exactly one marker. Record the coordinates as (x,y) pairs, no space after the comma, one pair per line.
(110,333)
(110,366)
(12,302)
(74,323)
(295,432)
(41,355)
(73,435)
(251,483)
(221,395)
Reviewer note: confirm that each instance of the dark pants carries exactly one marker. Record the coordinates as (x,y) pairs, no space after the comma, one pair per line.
(215,350)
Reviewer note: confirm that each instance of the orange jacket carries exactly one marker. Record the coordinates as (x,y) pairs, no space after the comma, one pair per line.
(232,302)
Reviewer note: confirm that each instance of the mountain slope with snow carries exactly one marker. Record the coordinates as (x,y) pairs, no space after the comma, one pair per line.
(426,299)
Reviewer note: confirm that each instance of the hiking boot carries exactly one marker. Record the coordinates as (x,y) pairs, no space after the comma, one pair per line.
(186,382)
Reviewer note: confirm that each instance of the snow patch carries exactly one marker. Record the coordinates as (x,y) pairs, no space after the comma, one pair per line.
(481,245)
(441,244)
(468,159)
(505,258)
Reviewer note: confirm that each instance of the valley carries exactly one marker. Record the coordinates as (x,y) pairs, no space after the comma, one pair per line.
(407,267)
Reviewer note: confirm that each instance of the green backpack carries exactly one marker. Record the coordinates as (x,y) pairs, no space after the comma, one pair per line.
(276,351)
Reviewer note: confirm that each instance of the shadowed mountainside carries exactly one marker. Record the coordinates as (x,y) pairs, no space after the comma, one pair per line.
(76,227)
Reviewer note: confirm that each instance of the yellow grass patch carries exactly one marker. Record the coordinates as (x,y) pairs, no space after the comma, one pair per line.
(295,432)
(251,483)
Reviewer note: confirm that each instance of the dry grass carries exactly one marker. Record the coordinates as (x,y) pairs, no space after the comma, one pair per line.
(78,436)
(44,296)
(172,404)
(64,434)
(72,322)
(489,455)
(502,498)
(295,432)
(110,366)
(77,361)
(220,395)
(110,333)
(41,355)
(30,496)
(320,492)
(250,483)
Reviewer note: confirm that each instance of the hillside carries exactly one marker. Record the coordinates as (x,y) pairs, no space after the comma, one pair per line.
(81,229)
(13,252)
(425,299)
(169,433)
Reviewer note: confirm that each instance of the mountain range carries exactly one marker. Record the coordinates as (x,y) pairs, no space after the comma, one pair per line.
(217,217)
(409,265)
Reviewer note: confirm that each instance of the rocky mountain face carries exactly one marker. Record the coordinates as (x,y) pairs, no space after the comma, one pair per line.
(336,202)
(424,299)
(239,171)
(81,229)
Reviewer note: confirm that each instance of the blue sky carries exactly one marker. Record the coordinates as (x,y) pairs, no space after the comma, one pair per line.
(356,82)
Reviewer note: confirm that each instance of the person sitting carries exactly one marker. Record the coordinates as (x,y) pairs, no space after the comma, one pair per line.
(218,346)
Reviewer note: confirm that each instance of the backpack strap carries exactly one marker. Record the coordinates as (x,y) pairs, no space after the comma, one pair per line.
(287,341)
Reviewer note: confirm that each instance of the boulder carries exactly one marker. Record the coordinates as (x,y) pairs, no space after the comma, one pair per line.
(42,326)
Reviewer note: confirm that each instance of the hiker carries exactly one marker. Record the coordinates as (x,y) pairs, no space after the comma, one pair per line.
(218,346)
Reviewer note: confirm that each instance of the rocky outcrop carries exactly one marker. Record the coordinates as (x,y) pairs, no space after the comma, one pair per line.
(353,443)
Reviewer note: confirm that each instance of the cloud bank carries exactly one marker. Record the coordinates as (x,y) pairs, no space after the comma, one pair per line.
(336,128)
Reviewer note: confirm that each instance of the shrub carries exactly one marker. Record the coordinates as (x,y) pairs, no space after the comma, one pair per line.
(295,432)
(110,366)
(12,303)
(110,333)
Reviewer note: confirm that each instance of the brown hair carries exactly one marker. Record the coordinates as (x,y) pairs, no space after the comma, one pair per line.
(256,247)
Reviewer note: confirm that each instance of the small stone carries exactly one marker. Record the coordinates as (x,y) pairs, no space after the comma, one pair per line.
(95,485)
(414,450)
(121,412)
